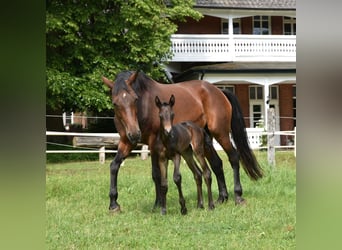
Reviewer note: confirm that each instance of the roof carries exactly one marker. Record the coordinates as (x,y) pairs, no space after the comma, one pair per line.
(246,4)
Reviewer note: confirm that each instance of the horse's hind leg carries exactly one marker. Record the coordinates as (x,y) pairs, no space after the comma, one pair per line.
(188,157)
(216,165)
(234,160)
(177,178)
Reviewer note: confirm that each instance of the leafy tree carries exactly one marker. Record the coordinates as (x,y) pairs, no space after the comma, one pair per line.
(86,39)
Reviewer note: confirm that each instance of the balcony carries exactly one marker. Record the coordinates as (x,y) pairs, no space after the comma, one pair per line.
(225,48)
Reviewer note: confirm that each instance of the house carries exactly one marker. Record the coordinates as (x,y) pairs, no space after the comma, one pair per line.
(247,46)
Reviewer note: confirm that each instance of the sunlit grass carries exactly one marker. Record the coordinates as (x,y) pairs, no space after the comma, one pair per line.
(77,209)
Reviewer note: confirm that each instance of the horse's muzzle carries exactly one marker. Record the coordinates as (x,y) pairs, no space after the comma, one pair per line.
(134,138)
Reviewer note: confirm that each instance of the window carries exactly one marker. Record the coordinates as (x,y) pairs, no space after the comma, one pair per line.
(228,87)
(273,92)
(289,25)
(261,25)
(236,26)
(68,119)
(255,93)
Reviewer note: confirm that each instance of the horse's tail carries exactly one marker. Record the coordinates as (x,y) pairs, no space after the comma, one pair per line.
(239,134)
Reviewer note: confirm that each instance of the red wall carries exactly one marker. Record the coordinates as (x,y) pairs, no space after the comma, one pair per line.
(207,25)
(241,91)
(212,25)
(286,108)
(277,25)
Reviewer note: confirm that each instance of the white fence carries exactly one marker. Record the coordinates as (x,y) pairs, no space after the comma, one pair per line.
(254,136)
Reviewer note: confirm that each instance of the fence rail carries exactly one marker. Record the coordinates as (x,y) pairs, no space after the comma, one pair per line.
(254,136)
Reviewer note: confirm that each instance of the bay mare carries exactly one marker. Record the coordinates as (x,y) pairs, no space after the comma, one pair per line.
(136,120)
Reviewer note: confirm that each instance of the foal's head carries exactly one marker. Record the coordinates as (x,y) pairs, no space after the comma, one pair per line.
(124,100)
(166,114)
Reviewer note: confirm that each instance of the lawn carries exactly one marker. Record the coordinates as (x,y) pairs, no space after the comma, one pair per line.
(77,209)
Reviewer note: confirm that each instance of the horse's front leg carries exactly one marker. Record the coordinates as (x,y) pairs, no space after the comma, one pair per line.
(163,163)
(123,150)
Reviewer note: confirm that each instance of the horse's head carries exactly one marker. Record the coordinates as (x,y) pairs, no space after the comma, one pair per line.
(125,100)
(166,114)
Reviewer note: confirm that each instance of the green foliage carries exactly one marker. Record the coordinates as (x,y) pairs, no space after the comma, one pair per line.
(77,209)
(87,39)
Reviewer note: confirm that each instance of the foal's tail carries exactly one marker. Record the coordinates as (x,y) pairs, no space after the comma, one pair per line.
(239,134)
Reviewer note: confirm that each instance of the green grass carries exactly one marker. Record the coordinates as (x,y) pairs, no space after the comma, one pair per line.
(77,209)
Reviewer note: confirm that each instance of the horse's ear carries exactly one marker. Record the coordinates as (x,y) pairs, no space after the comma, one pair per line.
(132,78)
(172,100)
(158,102)
(108,82)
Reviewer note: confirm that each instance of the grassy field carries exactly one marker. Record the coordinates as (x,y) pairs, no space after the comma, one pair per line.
(77,209)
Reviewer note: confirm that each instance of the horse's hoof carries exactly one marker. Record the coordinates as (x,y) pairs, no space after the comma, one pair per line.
(240,201)
(184,211)
(211,207)
(200,206)
(222,199)
(155,206)
(115,210)
(163,212)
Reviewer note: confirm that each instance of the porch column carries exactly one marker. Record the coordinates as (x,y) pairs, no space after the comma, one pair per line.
(266,102)
(231,38)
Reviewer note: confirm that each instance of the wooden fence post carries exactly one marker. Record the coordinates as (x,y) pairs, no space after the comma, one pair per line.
(271,137)
(102,155)
(144,155)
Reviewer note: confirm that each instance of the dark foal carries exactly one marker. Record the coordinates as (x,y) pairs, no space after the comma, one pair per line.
(183,139)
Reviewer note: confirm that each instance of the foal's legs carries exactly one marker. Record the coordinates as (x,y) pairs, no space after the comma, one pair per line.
(177,178)
(188,157)
(207,178)
(163,163)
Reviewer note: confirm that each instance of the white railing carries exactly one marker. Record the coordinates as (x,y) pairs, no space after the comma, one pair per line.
(224,48)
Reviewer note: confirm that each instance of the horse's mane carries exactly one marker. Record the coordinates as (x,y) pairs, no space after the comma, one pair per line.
(120,81)
(140,86)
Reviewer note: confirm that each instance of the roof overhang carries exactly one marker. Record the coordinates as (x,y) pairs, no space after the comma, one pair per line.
(238,12)
(238,68)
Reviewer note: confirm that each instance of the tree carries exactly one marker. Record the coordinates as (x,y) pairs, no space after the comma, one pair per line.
(86,39)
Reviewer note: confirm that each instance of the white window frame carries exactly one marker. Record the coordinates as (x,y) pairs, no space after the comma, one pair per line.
(292,22)
(260,25)
(229,87)
(68,116)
